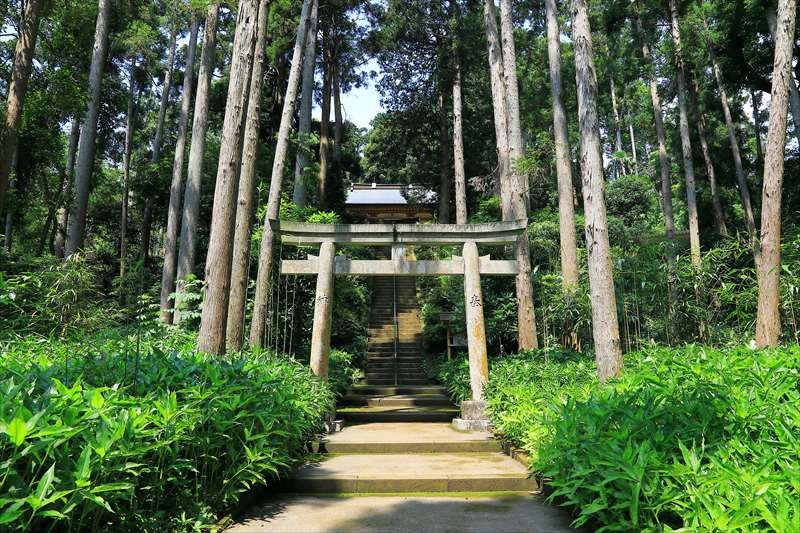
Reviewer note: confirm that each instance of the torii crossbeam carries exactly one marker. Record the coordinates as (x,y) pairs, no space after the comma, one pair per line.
(398,236)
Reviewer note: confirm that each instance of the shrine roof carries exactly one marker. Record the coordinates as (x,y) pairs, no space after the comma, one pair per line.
(389,194)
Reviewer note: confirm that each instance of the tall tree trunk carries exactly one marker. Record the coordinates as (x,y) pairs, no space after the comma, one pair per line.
(498,106)
(20,73)
(86,150)
(741,177)
(458,142)
(686,142)
(716,203)
(516,145)
(518,183)
(8,229)
(126,172)
(633,143)
(213,321)
(663,161)
(566,199)
(325,119)
(259,322)
(65,200)
(756,101)
(444,157)
(176,187)
(300,192)
(617,127)
(605,328)
(194,171)
(155,155)
(768,321)
(247,184)
(794,93)
(338,123)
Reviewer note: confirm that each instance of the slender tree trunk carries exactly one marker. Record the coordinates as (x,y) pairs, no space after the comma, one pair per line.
(794,93)
(458,143)
(741,177)
(516,144)
(716,203)
(338,123)
(63,210)
(176,187)
(768,321)
(686,142)
(617,127)
(147,219)
(86,151)
(213,321)
(300,193)
(756,101)
(259,322)
(126,172)
(444,157)
(20,73)
(51,215)
(8,230)
(325,120)
(194,171)
(566,200)
(633,143)
(498,106)
(605,327)
(247,185)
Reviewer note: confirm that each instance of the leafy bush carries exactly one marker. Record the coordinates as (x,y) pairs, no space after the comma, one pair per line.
(102,437)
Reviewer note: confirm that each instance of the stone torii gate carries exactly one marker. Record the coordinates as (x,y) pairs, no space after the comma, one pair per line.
(327,265)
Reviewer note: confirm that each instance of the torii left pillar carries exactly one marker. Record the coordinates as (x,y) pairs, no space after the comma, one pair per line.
(323,311)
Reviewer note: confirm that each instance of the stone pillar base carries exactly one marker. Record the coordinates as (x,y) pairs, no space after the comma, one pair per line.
(473,417)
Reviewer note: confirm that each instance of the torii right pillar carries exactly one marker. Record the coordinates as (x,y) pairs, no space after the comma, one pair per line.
(473,416)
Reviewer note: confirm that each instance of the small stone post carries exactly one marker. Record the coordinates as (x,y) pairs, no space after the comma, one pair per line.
(472,412)
(321,333)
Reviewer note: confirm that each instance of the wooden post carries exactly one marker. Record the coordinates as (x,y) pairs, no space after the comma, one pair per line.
(321,334)
(476,331)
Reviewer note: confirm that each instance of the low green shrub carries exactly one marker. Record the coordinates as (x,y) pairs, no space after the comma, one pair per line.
(101,436)
(694,439)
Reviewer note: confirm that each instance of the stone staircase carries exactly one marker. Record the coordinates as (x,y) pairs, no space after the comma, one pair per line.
(394,351)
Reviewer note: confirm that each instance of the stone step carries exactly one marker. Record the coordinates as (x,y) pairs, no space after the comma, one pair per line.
(397,382)
(398,389)
(423,472)
(402,377)
(397,414)
(399,400)
(391,365)
(409,437)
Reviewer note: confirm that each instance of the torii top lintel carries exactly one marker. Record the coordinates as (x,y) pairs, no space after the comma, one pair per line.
(488,233)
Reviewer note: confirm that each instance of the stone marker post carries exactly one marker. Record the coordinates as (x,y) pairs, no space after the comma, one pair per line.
(323,308)
(472,412)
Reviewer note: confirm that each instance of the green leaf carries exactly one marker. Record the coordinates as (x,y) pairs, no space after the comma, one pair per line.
(43,486)
(17,430)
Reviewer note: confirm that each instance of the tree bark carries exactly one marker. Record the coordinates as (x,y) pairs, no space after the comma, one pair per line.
(498,106)
(86,151)
(325,119)
(516,144)
(741,177)
(768,320)
(756,101)
(63,209)
(20,74)
(213,321)
(605,327)
(444,157)
(794,93)
(194,171)
(155,155)
(686,142)
(338,123)
(663,161)
(633,144)
(617,127)
(126,171)
(716,203)
(247,184)
(259,321)
(458,142)
(176,187)
(300,192)
(566,199)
